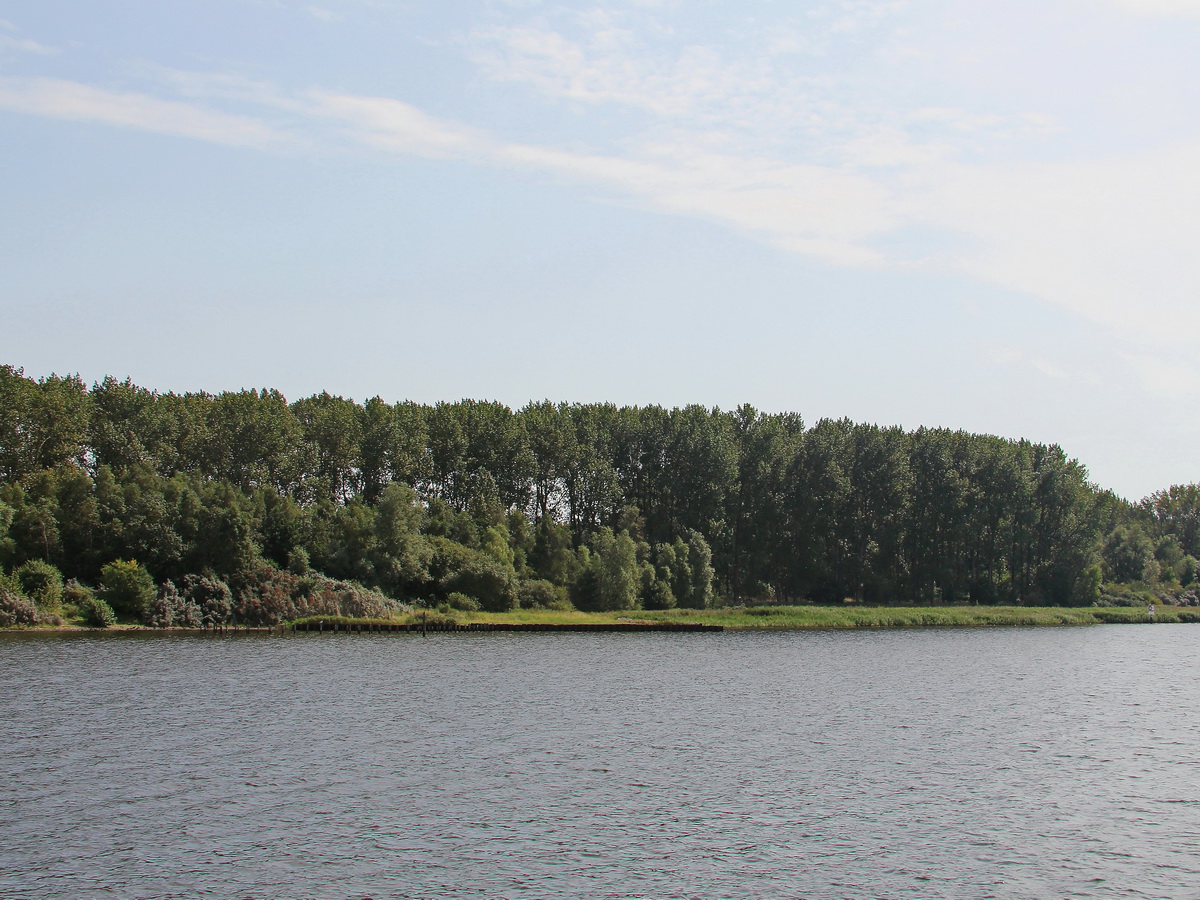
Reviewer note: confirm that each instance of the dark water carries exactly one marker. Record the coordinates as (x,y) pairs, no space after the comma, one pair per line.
(1008,763)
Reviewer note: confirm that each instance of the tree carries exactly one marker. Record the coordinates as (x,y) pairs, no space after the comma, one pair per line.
(401,554)
(254,440)
(331,430)
(1129,555)
(1177,511)
(613,572)
(43,424)
(461,570)
(127,587)
(41,583)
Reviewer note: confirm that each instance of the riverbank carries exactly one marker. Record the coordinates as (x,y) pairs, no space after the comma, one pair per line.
(731,618)
(860,616)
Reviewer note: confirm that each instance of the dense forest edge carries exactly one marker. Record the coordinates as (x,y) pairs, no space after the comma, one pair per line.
(123,504)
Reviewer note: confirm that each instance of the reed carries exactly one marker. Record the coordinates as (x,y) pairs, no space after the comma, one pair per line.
(784,617)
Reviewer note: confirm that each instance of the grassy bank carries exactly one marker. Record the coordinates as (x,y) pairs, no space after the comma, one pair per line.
(766,617)
(829,616)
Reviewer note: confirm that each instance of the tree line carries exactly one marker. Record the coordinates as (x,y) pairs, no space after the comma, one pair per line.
(603,507)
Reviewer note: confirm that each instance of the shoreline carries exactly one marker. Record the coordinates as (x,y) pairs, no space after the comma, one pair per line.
(720,619)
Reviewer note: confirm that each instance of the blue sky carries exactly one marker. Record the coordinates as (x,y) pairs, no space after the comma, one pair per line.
(980,216)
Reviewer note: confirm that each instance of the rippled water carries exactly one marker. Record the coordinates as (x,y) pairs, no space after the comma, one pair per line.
(1007,763)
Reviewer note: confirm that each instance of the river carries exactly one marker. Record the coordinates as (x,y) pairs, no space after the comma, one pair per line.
(939,763)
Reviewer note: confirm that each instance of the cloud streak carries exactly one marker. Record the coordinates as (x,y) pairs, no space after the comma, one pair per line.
(60,99)
(1186,9)
(776,145)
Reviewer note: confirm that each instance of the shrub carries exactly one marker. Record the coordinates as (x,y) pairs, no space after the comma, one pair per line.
(462,570)
(41,583)
(15,608)
(298,563)
(74,593)
(537,593)
(211,596)
(127,588)
(171,609)
(463,603)
(96,613)
(266,595)
(658,595)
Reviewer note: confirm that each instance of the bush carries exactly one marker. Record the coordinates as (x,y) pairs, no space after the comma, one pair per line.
(96,613)
(127,588)
(266,595)
(537,593)
(15,608)
(170,609)
(211,596)
(41,583)
(74,593)
(463,603)
(461,570)
(491,583)
(298,563)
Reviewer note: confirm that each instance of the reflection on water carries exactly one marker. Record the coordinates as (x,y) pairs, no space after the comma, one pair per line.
(1001,763)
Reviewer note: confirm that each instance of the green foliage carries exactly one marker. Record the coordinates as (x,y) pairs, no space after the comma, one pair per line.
(1086,591)
(127,588)
(266,595)
(537,593)
(495,545)
(618,507)
(298,562)
(613,574)
(96,613)
(43,424)
(463,603)
(74,595)
(1129,555)
(478,575)
(553,557)
(1176,511)
(41,583)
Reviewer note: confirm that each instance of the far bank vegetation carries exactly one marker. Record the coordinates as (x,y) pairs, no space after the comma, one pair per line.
(118,503)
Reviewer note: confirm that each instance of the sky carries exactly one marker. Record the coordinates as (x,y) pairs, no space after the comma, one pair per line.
(982,216)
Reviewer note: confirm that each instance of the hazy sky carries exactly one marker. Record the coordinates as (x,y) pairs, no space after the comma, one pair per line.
(978,215)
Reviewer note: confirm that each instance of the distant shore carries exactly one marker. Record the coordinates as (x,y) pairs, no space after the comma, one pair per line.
(730,618)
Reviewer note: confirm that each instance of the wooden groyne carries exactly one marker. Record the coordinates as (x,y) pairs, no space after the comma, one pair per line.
(426,627)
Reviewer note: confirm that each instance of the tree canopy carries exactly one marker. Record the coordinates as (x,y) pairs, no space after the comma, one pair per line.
(611,507)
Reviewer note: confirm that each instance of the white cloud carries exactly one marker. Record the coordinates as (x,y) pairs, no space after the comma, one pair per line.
(778,137)
(25,45)
(400,127)
(61,99)
(807,209)
(325,15)
(1165,375)
(1166,8)
(1112,240)
(1054,369)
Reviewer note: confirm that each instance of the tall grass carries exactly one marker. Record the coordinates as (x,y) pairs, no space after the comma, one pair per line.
(824,616)
(924,616)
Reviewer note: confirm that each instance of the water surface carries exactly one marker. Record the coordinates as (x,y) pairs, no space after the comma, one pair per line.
(948,763)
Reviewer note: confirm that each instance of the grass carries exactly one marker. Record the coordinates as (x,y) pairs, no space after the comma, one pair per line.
(780,617)
(918,616)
